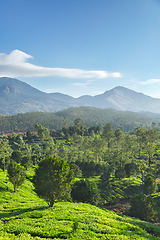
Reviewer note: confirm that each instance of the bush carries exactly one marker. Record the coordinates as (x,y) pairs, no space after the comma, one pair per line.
(150,186)
(120,173)
(85,191)
(142,207)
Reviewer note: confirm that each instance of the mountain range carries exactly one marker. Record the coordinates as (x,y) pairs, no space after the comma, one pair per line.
(19,97)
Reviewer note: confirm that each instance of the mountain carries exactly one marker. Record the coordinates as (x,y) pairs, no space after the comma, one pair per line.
(19,97)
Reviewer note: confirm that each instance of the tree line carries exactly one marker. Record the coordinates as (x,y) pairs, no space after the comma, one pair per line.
(89,115)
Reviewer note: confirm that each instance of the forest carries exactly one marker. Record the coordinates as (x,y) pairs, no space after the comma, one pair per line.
(98,165)
(89,115)
(109,157)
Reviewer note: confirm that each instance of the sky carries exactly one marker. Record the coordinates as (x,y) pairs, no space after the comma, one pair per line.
(82,47)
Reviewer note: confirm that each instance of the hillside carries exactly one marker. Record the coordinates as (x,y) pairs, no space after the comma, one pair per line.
(89,115)
(24,216)
(19,97)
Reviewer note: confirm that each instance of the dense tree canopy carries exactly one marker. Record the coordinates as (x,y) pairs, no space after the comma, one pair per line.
(16,174)
(52,179)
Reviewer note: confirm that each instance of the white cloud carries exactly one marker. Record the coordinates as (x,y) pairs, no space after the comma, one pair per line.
(116,74)
(15,65)
(82,84)
(150,81)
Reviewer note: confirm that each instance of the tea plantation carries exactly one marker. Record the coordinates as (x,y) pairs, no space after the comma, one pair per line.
(25,216)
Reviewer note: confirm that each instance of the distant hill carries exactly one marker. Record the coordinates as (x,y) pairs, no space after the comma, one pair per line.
(89,115)
(19,97)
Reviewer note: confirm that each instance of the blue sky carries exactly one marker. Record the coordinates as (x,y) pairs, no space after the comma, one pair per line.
(82,47)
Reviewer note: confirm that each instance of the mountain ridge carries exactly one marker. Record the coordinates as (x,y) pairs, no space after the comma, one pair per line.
(19,97)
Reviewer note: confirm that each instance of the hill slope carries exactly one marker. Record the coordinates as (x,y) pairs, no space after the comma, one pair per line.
(19,97)
(89,115)
(24,216)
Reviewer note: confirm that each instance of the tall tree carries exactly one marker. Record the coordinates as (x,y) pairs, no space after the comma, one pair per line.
(16,174)
(108,133)
(52,179)
(5,151)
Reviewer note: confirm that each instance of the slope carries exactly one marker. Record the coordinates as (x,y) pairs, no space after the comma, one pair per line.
(24,216)
(19,97)
(89,115)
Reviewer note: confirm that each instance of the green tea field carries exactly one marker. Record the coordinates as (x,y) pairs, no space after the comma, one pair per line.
(24,216)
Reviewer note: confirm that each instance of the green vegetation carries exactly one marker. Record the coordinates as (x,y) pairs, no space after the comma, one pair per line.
(142,207)
(89,115)
(16,174)
(52,180)
(24,216)
(110,167)
(85,191)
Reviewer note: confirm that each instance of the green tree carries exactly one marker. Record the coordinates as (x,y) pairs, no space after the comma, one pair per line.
(105,178)
(5,152)
(130,169)
(26,162)
(108,133)
(52,179)
(16,174)
(17,156)
(85,191)
(120,173)
(77,171)
(142,207)
(150,186)
(118,135)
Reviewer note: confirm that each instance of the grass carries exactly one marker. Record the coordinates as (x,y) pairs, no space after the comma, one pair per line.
(24,216)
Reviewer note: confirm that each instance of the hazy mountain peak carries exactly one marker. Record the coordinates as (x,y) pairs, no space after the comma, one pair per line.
(17,96)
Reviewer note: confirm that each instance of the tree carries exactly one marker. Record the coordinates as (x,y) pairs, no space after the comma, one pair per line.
(77,171)
(142,207)
(105,177)
(26,162)
(150,186)
(120,173)
(5,152)
(17,156)
(108,133)
(16,174)
(130,169)
(118,134)
(52,179)
(85,191)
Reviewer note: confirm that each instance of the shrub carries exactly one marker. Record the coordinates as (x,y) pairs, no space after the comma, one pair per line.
(150,186)
(142,207)
(120,173)
(85,191)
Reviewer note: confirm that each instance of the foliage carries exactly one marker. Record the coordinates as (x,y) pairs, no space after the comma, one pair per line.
(24,216)
(120,173)
(77,171)
(16,174)
(150,186)
(17,156)
(142,207)
(26,162)
(52,179)
(130,169)
(85,191)
(89,115)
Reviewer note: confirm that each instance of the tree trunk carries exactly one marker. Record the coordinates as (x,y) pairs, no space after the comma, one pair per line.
(51,202)
(15,187)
